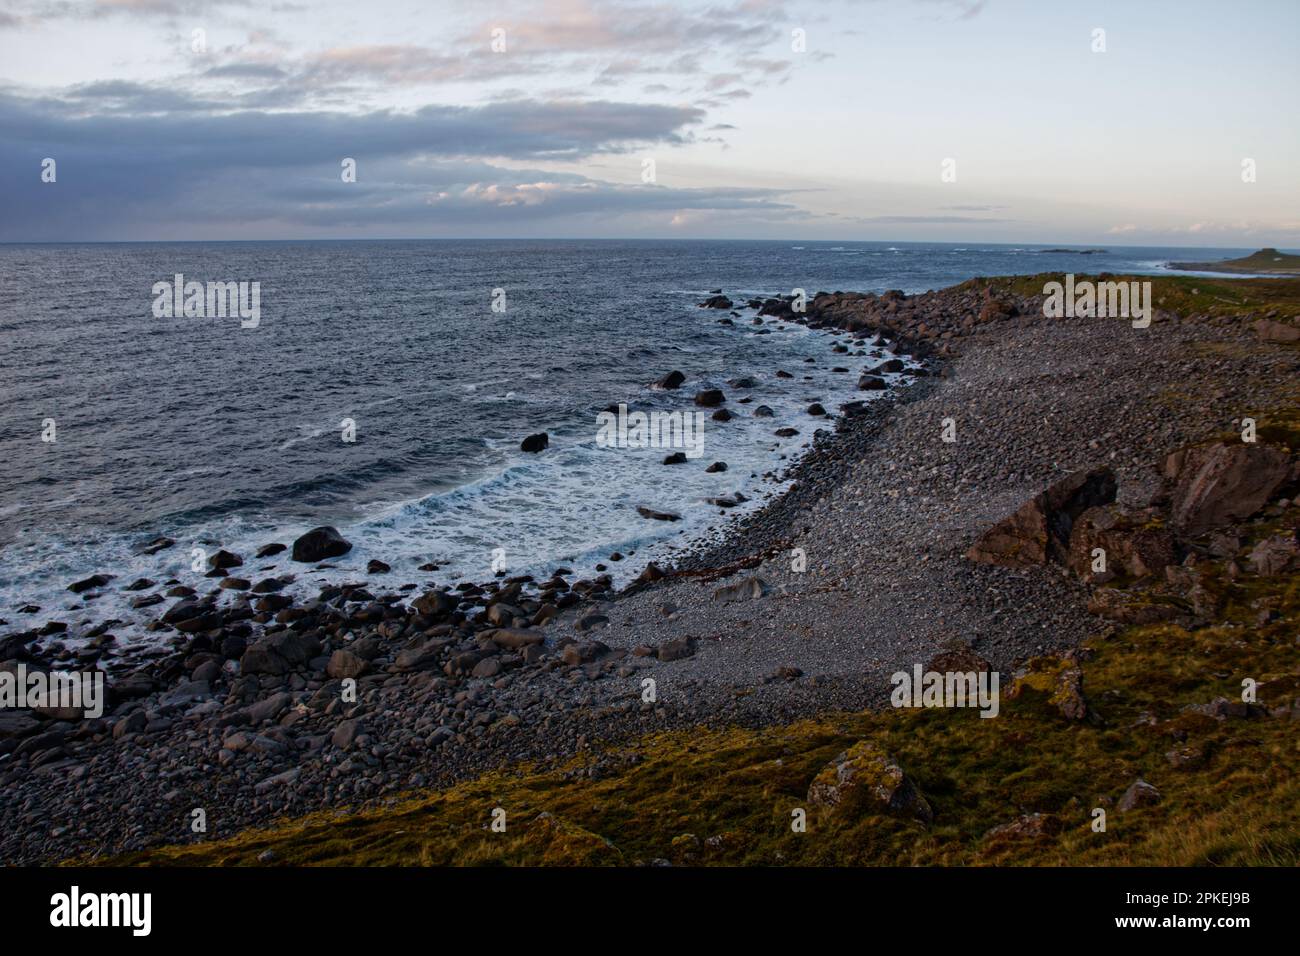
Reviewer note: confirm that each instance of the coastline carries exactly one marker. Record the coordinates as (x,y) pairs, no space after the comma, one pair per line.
(736,671)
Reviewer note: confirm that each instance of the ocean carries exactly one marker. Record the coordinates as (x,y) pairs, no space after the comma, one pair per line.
(225,436)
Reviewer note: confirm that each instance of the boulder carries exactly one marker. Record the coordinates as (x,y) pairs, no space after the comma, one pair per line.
(279,653)
(434,604)
(1275,555)
(710,398)
(321,543)
(673,379)
(1139,794)
(864,779)
(1039,532)
(224,559)
(344,663)
(85,584)
(535,443)
(746,590)
(1136,544)
(653,515)
(1278,332)
(676,649)
(1217,484)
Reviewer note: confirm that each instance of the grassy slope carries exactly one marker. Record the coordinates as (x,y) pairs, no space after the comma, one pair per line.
(1265,260)
(725,796)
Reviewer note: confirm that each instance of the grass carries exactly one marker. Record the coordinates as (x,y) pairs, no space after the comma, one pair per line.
(1185,295)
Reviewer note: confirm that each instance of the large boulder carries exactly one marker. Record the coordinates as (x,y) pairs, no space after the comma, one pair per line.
(1137,544)
(279,653)
(318,544)
(1039,532)
(865,779)
(1214,485)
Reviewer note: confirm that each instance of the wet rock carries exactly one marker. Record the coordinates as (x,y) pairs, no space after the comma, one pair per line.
(710,398)
(320,544)
(716,467)
(673,379)
(535,443)
(85,584)
(161,543)
(270,550)
(224,559)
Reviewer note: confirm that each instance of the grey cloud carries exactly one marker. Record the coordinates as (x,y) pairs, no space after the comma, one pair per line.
(252,173)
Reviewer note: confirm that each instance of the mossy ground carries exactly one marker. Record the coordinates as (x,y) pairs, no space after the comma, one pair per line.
(1185,295)
(726,796)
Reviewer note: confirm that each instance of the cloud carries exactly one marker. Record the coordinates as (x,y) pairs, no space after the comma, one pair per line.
(433,171)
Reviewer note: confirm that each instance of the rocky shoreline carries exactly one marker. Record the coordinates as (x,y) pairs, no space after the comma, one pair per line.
(859,569)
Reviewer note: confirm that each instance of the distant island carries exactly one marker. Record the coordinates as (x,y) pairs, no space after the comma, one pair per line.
(1077,252)
(1264,262)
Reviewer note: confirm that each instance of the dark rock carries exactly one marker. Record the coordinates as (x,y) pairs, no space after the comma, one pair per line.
(85,584)
(1214,485)
(319,544)
(535,443)
(1039,531)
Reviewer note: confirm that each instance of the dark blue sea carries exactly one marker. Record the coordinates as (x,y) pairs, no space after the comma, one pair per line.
(223,436)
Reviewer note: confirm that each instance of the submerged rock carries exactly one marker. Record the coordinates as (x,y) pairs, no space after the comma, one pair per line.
(535,443)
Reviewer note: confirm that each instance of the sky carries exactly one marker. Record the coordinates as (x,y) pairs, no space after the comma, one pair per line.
(1133,123)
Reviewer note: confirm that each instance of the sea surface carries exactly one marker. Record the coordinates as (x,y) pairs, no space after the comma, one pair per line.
(221,436)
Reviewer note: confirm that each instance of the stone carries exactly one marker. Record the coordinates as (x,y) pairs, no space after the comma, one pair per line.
(344,663)
(747,590)
(1135,544)
(86,584)
(1039,532)
(535,443)
(677,649)
(1139,794)
(319,544)
(865,779)
(654,515)
(1220,483)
